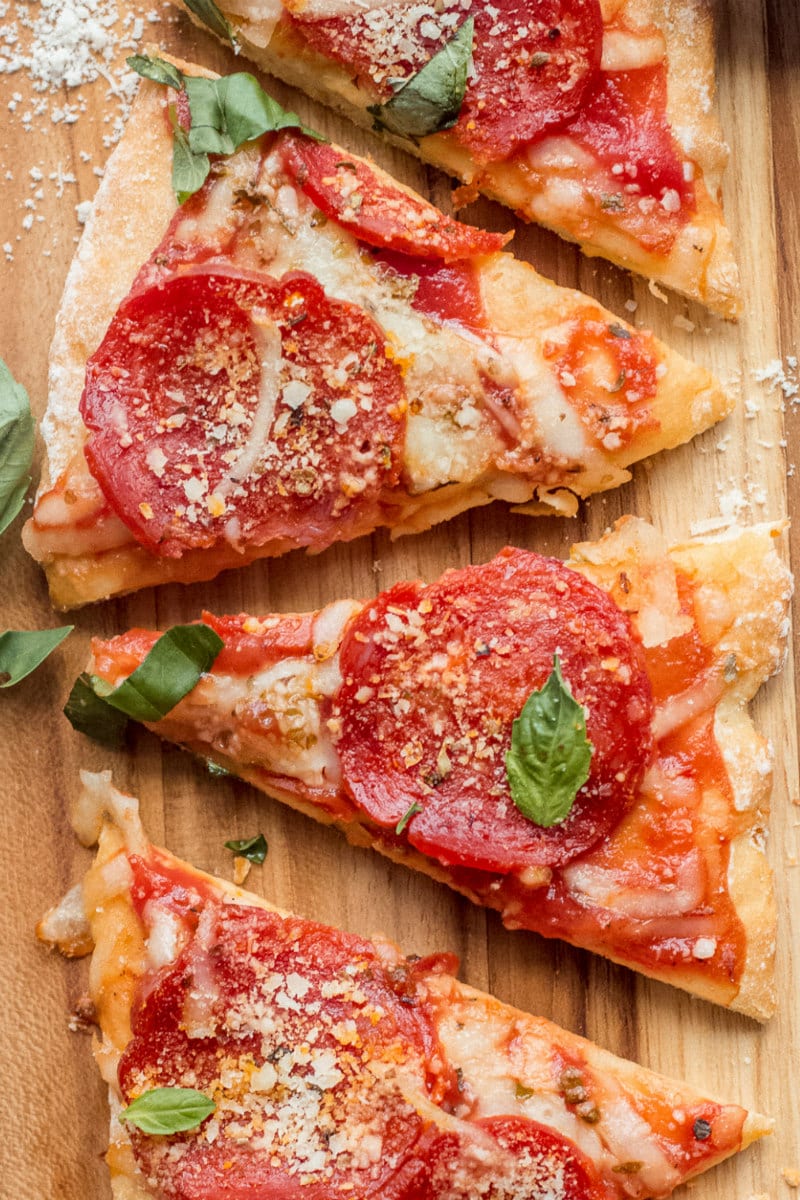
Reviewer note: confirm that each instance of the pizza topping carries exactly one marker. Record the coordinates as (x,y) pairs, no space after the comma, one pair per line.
(525,1161)
(430,100)
(223,114)
(386,45)
(16,446)
(378,210)
(550,756)
(307,1040)
(165,1110)
(447,291)
(195,368)
(610,374)
(254,849)
(624,123)
(434,678)
(532,67)
(213,19)
(165,669)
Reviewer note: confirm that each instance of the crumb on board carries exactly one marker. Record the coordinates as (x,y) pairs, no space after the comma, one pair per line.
(791,1175)
(241,869)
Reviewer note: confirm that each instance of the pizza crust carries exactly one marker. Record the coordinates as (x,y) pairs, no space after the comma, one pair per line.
(120,236)
(119,961)
(701,264)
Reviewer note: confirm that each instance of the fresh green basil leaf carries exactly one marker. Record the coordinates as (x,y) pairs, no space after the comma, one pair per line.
(22,651)
(410,812)
(166,1110)
(88,714)
(16,446)
(216,770)
(157,69)
(254,849)
(169,672)
(189,170)
(550,753)
(225,113)
(207,12)
(232,110)
(431,100)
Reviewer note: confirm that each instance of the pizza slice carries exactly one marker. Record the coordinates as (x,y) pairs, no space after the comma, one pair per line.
(595,118)
(566,743)
(253,1053)
(304,351)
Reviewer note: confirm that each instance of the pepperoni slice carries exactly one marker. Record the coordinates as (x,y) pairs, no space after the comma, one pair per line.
(229,407)
(448,292)
(308,1042)
(623,121)
(434,678)
(532,65)
(377,209)
(531,1162)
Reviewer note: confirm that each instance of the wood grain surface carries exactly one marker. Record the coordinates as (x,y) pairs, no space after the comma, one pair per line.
(53,1116)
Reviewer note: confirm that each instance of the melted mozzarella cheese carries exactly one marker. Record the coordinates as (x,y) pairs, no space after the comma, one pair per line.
(274,719)
(604,887)
(495,1060)
(627,51)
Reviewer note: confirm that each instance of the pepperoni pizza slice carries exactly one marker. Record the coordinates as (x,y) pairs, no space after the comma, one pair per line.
(566,743)
(592,117)
(303,351)
(253,1053)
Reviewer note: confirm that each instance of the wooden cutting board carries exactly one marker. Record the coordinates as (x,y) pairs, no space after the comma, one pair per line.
(53,1113)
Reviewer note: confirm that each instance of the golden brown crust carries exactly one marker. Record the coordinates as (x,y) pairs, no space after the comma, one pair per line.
(701,263)
(518,301)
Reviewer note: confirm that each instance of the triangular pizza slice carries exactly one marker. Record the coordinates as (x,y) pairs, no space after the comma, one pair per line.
(566,743)
(304,351)
(253,1053)
(595,118)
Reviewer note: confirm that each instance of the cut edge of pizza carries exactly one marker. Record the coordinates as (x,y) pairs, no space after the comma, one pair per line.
(566,178)
(677,886)
(561,397)
(320,1057)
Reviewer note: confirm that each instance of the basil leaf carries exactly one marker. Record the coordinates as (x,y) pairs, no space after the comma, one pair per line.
(254,849)
(169,672)
(189,170)
(156,69)
(207,12)
(550,753)
(216,770)
(16,446)
(166,1110)
(232,110)
(431,100)
(22,651)
(410,812)
(225,113)
(88,714)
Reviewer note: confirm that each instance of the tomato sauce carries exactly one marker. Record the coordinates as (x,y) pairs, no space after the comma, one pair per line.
(675,826)
(609,373)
